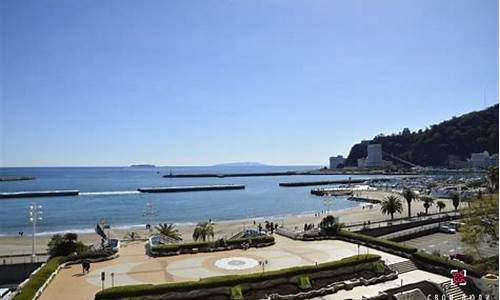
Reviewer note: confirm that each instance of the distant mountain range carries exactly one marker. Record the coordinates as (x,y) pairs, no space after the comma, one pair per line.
(242,164)
(458,137)
(143,166)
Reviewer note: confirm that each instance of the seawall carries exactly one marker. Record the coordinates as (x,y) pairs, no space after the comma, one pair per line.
(32,194)
(177,189)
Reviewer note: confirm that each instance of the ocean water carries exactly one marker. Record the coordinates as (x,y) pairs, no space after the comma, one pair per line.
(111,193)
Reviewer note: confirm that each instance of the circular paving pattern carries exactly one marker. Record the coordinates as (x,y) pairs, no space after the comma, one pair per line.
(236,263)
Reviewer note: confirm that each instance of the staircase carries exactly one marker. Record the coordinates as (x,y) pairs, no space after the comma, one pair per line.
(403,267)
(408,163)
(453,292)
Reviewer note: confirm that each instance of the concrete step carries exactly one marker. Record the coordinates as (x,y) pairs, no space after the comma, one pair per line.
(454,292)
(403,267)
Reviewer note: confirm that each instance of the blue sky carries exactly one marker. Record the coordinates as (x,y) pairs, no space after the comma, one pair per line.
(203,82)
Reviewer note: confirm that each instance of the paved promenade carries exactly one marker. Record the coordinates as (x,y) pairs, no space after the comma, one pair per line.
(134,267)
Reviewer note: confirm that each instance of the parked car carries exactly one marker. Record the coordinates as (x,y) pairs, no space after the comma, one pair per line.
(463,257)
(456,225)
(447,229)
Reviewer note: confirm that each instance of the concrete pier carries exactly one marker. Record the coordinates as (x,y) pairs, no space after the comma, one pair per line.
(32,194)
(16,178)
(325,182)
(193,188)
(222,175)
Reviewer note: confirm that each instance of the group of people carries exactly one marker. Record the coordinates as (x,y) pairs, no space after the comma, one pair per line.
(270,226)
(308,227)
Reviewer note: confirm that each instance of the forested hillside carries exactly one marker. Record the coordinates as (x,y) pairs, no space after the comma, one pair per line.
(473,132)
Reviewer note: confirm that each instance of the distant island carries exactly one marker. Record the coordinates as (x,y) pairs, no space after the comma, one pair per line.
(143,166)
(242,164)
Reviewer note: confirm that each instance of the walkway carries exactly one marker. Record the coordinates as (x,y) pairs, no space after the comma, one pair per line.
(134,267)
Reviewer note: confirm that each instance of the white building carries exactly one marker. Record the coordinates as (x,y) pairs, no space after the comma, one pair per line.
(482,160)
(337,162)
(374,158)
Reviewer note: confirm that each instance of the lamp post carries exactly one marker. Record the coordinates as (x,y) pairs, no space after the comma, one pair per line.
(149,214)
(35,217)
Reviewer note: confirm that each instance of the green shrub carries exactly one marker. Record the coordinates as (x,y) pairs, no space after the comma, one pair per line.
(164,249)
(38,279)
(304,282)
(90,255)
(446,263)
(253,241)
(377,241)
(236,293)
(378,267)
(229,280)
(330,225)
(63,245)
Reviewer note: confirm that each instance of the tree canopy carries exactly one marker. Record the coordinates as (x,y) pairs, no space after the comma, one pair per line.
(459,137)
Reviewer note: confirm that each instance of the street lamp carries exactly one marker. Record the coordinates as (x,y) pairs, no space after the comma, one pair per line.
(35,217)
(149,214)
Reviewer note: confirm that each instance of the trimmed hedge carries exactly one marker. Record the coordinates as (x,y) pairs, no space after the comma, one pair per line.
(253,241)
(164,249)
(377,241)
(177,247)
(448,264)
(36,281)
(90,255)
(418,256)
(229,280)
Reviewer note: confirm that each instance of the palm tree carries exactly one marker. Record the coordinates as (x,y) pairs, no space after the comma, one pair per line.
(428,201)
(203,231)
(409,195)
(455,198)
(169,231)
(492,178)
(441,205)
(330,224)
(391,205)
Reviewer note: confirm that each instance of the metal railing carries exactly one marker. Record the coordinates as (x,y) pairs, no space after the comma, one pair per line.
(23,258)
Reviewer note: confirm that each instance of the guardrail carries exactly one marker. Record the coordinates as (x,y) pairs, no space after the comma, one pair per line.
(23,258)
(412,233)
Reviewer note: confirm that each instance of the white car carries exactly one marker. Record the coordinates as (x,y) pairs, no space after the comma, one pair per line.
(447,229)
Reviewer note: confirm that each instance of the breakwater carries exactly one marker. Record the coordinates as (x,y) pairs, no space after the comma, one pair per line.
(365,200)
(16,178)
(222,175)
(32,194)
(192,188)
(325,182)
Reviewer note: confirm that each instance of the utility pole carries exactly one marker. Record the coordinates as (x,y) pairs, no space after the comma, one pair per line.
(35,217)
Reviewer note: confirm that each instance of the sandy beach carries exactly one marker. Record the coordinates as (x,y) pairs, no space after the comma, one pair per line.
(15,245)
